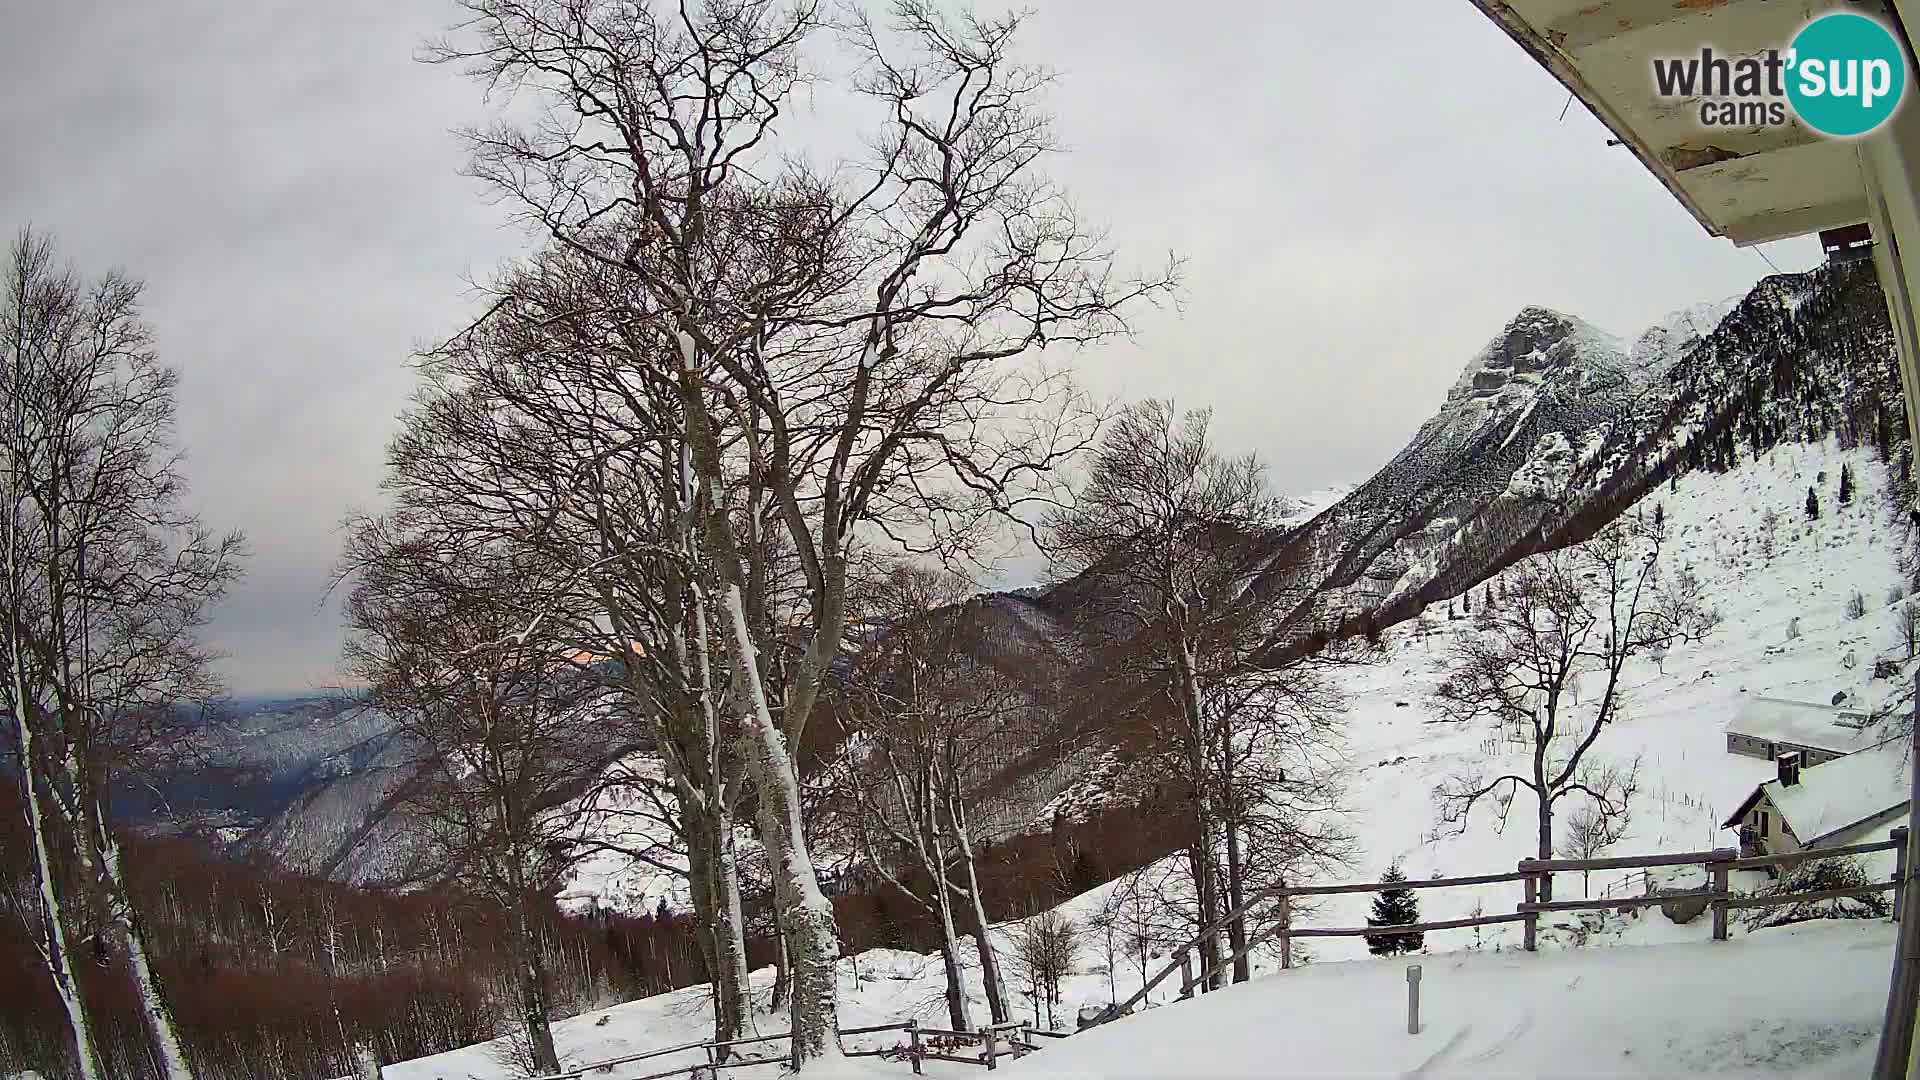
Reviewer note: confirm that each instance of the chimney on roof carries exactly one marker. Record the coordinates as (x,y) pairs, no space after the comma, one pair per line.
(1789,762)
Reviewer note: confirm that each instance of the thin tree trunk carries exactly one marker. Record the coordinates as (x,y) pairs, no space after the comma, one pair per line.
(997,1005)
(61,936)
(1545,839)
(1200,856)
(57,951)
(957,1009)
(1204,853)
(154,1011)
(1236,902)
(730,944)
(782,974)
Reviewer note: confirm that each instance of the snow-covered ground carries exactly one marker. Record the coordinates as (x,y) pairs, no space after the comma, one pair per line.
(1802,1001)
(1798,1001)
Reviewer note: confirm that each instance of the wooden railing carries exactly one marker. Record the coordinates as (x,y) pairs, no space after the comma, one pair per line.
(1533,874)
(922,1044)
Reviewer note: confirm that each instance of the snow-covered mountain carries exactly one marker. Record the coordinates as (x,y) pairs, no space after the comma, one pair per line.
(1551,429)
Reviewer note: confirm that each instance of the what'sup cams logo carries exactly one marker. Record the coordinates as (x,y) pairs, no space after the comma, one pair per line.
(1843,75)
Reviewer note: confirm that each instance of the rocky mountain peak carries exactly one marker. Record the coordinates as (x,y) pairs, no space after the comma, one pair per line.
(1536,342)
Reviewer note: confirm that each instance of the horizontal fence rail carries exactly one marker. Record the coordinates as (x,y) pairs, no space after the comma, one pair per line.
(1375,886)
(1017,1034)
(1761,862)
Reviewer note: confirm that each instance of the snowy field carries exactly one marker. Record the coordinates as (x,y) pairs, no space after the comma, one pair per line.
(1641,996)
(1801,1001)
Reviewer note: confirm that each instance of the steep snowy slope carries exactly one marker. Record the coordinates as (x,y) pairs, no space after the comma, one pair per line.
(1784,632)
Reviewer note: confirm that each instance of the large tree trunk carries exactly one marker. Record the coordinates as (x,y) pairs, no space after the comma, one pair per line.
(715,891)
(1545,845)
(535,1008)
(813,944)
(957,1013)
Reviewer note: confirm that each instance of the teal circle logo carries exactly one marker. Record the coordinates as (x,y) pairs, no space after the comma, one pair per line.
(1846,73)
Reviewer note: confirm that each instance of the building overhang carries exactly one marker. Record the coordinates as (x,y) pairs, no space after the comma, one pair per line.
(1749,184)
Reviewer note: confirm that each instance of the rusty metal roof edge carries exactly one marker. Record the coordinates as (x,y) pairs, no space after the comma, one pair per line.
(1549,56)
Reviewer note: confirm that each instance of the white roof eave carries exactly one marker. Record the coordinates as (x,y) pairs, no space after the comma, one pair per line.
(1750,185)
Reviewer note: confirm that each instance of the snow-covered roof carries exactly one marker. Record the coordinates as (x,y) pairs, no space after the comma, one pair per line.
(1801,723)
(1841,793)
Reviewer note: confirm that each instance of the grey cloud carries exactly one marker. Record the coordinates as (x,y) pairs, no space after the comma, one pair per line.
(1364,194)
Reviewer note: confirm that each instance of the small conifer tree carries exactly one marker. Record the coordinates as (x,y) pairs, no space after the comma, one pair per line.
(1813,505)
(1394,907)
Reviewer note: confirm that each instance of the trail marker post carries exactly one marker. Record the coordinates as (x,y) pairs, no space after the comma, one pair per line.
(1413,999)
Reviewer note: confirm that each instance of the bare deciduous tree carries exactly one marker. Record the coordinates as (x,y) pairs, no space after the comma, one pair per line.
(506,725)
(1165,529)
(1581,611)
(1594,826)
(849,350)
(1046,948)
(935,713)
(107,584)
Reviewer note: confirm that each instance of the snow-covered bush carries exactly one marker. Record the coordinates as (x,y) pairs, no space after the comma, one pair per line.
(1814,877)
(1856,605)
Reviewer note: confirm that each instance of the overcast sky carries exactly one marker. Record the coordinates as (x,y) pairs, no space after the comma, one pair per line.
(1362,202)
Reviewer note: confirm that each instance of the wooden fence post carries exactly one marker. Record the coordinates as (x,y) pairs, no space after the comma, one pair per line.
(992,1037)
(1719,870)
(1186,973)
(1899,837)
(1286,928)
(1530,886)
(913,1045)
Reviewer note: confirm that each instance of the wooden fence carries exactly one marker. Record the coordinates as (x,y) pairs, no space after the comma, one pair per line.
(922,1044)
(1532,875)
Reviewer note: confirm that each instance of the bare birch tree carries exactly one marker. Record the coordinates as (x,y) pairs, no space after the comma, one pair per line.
(1577,612)
(107,584)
